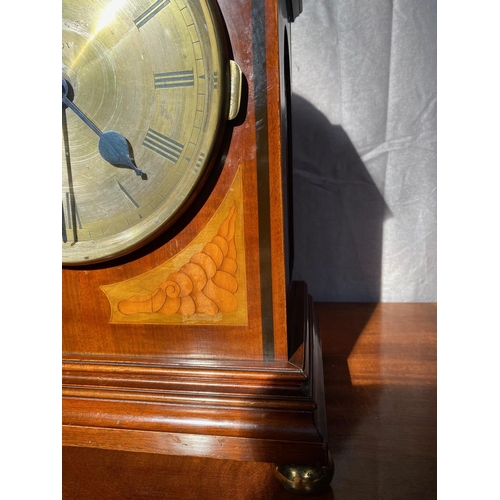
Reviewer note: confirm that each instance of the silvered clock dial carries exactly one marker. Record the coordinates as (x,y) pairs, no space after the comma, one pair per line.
(146,89)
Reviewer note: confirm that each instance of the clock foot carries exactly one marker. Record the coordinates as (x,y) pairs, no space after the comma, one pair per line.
(305,480)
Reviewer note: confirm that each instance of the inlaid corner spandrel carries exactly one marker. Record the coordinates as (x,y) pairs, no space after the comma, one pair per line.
(203,283)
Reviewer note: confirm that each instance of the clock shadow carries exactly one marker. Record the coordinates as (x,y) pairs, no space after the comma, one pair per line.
(338,212)
(338,218)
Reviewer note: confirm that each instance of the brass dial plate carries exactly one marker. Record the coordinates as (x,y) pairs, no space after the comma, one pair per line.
(157,73)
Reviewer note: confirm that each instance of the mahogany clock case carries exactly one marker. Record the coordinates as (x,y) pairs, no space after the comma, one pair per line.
(242,379)
(94,323)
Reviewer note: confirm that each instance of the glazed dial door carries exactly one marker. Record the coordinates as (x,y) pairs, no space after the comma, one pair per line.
(145,91)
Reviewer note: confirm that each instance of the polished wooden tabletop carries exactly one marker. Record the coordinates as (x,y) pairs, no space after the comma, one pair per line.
(380,390)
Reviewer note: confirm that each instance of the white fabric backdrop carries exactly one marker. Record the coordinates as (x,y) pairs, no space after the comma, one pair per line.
(364,131)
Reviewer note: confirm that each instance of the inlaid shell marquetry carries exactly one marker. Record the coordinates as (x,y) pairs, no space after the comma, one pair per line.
(203,282)
(206,284)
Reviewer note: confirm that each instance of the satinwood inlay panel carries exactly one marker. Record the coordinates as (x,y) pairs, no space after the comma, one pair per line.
(203,283)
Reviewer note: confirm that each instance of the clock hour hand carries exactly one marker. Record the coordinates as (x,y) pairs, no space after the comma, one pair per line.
(113,147)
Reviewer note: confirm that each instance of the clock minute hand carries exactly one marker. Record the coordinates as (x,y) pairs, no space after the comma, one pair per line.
(113,147)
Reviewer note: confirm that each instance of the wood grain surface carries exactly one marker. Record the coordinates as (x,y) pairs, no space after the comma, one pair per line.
(380,388)
(251,146)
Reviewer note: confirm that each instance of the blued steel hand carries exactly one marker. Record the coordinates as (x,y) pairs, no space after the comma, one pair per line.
(71,228)
(113,147)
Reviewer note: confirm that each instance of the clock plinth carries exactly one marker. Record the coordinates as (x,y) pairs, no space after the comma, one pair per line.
(267,411)
(198,343)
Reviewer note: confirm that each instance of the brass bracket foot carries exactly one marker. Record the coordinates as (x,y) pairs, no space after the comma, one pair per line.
(305,480)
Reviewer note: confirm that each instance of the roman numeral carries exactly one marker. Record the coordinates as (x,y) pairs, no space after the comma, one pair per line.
(64,232)
(150,13)
(199,162)
(72,211)
(70,219)
(127,194)
(174,79)
(164,146)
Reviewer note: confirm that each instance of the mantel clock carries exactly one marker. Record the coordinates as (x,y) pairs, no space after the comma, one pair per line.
(182,330)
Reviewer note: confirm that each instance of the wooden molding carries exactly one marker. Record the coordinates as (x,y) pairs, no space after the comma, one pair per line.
(161,408)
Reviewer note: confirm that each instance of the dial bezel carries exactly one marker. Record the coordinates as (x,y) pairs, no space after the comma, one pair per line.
(213,43)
